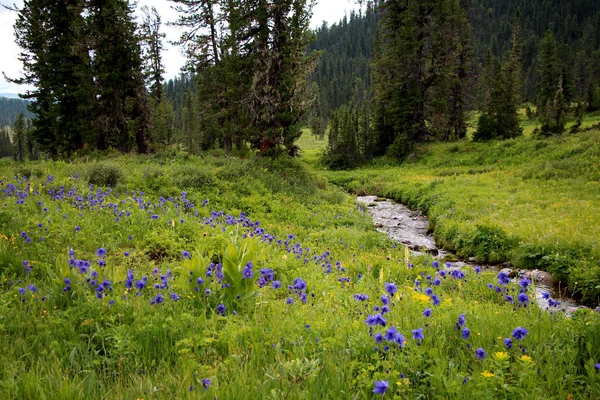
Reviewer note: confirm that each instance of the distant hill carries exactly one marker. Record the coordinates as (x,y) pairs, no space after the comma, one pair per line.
(10,109)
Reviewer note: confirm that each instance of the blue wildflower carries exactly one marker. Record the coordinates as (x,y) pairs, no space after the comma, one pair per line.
(417,334)
(101,252)
(519,333)
(391,288)
(480,353)
(508,343)
(206,383)
(299,284)
(381,387)
(247,272)
(523,298)
(360,297)
(427,312)
(186,254)
(503,278)
(465,333)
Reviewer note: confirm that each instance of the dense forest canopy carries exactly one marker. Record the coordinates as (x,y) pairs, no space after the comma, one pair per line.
(256,74)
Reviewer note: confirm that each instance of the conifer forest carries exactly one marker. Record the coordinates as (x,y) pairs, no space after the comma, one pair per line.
(401,204)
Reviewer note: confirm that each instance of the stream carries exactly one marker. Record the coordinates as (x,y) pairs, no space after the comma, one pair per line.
(410,227)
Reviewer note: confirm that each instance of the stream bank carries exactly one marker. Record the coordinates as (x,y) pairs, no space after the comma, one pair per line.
(410,228)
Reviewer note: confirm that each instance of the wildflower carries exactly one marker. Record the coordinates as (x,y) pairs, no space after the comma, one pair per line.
(299,284)
(477,270)
(427,312)
(376,319)
(289,300)
(524,282)
(503,278)
(465,333)
(526,359)
(175,296)
(23,291)
(436,300)
(391,335)
(436,281)
(247,272)
(221,309)
(491,286)
(487,374)
(206,383)
(378,337)
(126,254)
(519,333)
(429,291)
(480,353)
(154,216)
(391,288)
(508,343)
(597,366)
(158,299)
(276,284)
(461,321)
(101,252)
(32,288)
(207,292)
(523,299)
(545,295)
(385,299)
(418,334)
(501,355)
(385,309)
(186,254)
(381,387)
(360,297)
(509,299)
(435,265)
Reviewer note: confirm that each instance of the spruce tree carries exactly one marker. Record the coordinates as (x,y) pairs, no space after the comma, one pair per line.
(55,56)
(20,138)
(121,114)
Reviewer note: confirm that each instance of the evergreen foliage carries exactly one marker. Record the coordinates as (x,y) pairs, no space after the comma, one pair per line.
(20,139)
(420,74)
(83,59)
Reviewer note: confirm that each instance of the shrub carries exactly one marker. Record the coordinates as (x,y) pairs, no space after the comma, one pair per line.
(104,174)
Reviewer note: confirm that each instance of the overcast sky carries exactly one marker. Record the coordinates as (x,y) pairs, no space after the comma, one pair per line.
(325,10)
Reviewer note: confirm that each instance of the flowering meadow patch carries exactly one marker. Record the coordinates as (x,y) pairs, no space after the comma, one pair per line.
(247,290)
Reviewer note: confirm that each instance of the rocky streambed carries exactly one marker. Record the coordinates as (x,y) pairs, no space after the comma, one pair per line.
(410,228)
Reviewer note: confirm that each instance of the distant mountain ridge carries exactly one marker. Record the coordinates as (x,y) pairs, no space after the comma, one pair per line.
(10,108)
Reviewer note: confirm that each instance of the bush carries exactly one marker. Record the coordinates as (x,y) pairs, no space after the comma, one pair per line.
(104,174)
(486,128)
(193,177)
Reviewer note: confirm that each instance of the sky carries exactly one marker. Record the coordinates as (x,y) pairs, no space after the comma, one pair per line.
(324,10)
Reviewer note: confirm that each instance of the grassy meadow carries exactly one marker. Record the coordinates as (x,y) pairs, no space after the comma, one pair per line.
(528,201)
(178,277)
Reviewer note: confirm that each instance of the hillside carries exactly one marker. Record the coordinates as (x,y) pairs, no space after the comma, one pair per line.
(10,109)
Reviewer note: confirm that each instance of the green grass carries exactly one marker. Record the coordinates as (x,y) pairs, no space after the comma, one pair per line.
(531,202)
(59,343)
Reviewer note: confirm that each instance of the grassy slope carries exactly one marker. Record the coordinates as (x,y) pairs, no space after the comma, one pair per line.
(532,202)
(74,345)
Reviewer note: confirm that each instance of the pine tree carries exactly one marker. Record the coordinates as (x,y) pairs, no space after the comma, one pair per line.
(121,114)
(6,149)
(55,57)
(278,95)
(151,38)
(20,138)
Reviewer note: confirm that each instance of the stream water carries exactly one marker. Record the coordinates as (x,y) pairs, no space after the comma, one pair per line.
(410,228)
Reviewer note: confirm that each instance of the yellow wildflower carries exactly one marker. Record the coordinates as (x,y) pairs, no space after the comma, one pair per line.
(526,359)
(501,355)
(487,374)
